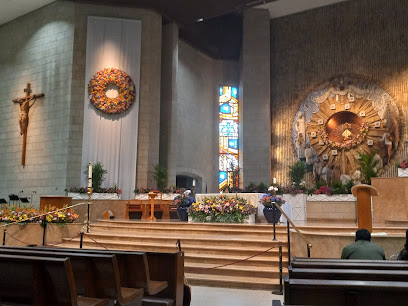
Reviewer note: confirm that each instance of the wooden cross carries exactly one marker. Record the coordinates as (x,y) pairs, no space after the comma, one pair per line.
(25,105)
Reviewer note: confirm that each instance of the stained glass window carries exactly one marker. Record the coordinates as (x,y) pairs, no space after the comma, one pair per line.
(228,136)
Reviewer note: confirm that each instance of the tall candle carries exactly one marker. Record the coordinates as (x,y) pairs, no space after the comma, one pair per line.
(274,180)
(90,175)
(193,182)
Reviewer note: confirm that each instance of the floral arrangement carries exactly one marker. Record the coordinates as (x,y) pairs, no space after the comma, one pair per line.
(100,190)
(269,200)
(346,144)
(24,215)
(324,190)
(221,209)
(183,199)
(61,217)
(171,189)
(97,91)
(402,165)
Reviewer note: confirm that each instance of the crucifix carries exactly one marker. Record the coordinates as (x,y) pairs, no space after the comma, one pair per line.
(25,105)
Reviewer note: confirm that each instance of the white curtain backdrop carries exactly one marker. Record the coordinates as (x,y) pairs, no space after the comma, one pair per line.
(112,138)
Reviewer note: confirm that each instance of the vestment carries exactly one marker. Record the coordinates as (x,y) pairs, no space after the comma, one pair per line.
(362,249)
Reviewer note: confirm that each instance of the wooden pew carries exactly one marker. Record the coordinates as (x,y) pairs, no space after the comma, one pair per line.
(316,259)
(32,280)
(160,274)
(168,267)
(349,274)
(348,264)
(96,275)
(344,292)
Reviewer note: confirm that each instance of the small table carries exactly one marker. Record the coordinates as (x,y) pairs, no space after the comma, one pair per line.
(142,205)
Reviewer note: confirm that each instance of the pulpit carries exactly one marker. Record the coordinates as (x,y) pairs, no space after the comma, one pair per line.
(363,193)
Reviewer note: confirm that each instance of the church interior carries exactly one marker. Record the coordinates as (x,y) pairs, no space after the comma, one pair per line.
(203,152)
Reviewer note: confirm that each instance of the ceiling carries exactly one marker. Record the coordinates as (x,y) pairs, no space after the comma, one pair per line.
(214,26)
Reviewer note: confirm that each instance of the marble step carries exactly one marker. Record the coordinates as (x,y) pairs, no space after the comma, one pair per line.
(234,270)
(239,282)
(257,261)
(202,226)
(160,247)
(281,233)
(223,240)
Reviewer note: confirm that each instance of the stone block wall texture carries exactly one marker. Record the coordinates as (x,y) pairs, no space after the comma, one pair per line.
(47,48)
(196,116)
(366,37)
(36,48)
(150,80)
(168,105)
(255,118)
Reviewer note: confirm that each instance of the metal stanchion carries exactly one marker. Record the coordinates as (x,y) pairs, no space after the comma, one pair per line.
(274,225)
(308,250)
(4,235)
(88,220)
(81,240)
(280,292)
(179,244)
(288,240)
(44,229)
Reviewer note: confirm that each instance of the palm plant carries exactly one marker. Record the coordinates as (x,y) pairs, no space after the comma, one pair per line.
(297,172)
(367,164)
(160,176)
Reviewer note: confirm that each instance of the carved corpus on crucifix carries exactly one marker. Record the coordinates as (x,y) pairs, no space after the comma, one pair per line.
(25,105)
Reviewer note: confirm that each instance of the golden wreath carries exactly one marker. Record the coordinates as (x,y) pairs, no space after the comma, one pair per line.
(97,90)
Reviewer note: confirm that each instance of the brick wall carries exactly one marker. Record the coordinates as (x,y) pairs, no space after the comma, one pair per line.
(365,37)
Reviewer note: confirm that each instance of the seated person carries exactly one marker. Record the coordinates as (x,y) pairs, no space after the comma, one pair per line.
(403,255)
(363,248)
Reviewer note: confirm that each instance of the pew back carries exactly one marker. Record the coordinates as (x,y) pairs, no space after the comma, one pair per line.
(344,292)
(348,274)
(96,275)
(347,264)
(39,280)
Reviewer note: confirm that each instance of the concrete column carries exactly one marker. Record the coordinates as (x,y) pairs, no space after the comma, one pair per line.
(168,111)
(255,88)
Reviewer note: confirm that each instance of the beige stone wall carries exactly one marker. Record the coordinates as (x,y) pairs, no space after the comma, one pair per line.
(36,48)
(331,211)
(326,245)
(366,37)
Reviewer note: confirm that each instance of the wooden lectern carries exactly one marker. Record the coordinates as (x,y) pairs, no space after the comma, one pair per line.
(152,195)
(364,193)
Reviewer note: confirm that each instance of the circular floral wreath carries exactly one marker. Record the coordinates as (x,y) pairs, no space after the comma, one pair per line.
(346,144)
(97,91)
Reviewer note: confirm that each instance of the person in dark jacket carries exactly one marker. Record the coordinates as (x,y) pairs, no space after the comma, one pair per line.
(403,255)
(363,248)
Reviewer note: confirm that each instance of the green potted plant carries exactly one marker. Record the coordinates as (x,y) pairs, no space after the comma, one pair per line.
(297,172)
(160,177)
(367,164)
(98,176)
